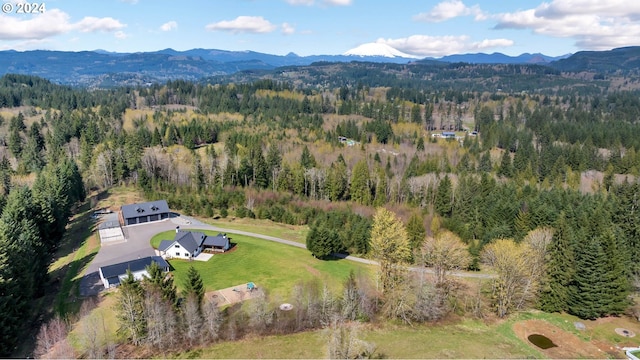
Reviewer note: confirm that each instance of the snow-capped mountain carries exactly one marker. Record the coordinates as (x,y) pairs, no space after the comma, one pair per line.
(378,49)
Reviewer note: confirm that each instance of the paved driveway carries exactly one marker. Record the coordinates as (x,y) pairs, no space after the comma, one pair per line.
(138,245)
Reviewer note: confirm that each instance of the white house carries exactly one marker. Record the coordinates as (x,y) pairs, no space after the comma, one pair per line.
(112,275)
(189,244)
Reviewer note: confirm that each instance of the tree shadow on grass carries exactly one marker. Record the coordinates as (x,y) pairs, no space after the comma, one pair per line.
(61,292)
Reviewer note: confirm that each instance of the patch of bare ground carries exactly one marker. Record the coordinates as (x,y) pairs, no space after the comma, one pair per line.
(314,272)
(568,346)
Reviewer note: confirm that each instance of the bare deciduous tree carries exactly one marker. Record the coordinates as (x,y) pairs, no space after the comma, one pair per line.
(161,321)
(212,319)
(445,253)
(193,321)
(260,315)
(516,283)
(52,338)
(343,342)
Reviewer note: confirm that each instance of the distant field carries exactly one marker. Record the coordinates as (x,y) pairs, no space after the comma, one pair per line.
(463,338)
(468,339)
(295,233)
(275,267)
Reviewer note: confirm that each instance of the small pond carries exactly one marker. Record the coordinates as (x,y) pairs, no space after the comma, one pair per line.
(541,341)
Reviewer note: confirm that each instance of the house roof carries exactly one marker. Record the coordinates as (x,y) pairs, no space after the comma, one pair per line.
(190,240)
(165,245)
(133,265)
(219,240)
(147,208)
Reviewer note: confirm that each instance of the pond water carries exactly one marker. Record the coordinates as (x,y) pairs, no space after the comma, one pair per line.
(541,341)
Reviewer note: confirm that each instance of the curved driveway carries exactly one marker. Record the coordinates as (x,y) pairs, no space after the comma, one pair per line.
(138,245)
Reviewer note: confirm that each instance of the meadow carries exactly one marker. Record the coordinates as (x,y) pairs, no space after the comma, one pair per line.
(275,267)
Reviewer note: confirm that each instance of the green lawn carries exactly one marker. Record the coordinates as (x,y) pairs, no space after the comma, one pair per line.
(467,339)
(275,267)
(265,227)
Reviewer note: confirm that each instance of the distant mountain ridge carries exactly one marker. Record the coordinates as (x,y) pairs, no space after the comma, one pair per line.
(499,58)
(619,59)
(102,68)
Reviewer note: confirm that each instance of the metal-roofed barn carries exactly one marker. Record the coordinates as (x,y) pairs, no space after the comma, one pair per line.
(144,212)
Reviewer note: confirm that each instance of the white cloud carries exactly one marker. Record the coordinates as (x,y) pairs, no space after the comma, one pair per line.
(492,43)
(301,2)
(323,2)
(437,46)
(24,45)
(448,10)
(243,24)
(120,35)
(93,24)
(51,23)
(593,24)
(287,29)
(168,26)
(338,2)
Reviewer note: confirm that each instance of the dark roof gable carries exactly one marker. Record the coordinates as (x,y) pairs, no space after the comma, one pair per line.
(133,265)
(220,240)
(142,209)
(190,240)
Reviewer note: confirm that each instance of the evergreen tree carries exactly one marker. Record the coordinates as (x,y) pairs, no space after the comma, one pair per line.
(307,160)
(485,162)
(159,280)
(617,286)
(442,203)
(588,296)
(260,172)
(416,230)
(521,159)
(338,180)
(505,168)
(274,158)
(193,286)
(420,144)
(130,310)
(359,190)
(560,267)
(15,143)
(322,241)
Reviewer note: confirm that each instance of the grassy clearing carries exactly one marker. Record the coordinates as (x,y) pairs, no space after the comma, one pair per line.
(115,197)
(264,227)
(80,245)
(275,267)
(467,339)
(306,345)
(98,325)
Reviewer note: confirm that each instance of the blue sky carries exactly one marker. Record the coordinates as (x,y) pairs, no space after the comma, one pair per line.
(313,27)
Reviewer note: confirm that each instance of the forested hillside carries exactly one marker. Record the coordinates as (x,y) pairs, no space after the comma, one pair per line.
(564,156)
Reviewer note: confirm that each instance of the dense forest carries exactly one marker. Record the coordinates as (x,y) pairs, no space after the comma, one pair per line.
(328,155)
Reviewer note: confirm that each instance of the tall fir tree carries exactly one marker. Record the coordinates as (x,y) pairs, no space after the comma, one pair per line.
(193,286)
(307,160)
(416,230)
(554,289)
(360,190)
(618,285)
(442,202)
(159,280)
(588,298)
(130,310)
